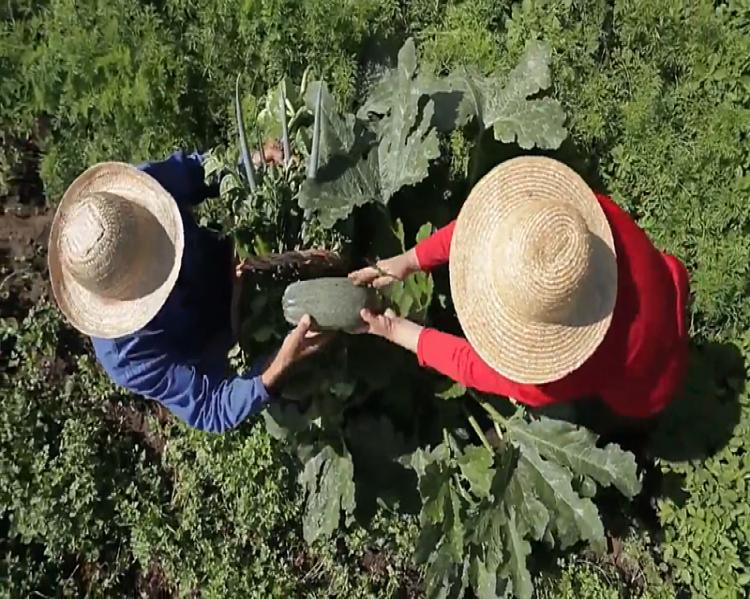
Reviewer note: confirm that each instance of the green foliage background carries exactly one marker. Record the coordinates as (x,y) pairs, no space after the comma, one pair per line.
(658,101)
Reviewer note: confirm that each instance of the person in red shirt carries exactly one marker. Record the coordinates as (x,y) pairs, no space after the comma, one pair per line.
(560,294)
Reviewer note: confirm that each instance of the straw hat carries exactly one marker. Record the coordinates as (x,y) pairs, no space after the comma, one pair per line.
(115,250)
(533,270)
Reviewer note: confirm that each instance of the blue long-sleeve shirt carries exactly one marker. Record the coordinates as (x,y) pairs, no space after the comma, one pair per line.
(179,358)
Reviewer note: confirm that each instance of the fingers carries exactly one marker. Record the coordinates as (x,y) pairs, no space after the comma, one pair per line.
(371,275)
(317,343)
(378,324)
(363,276)
(369,317)
(383,281)
(274,155)
(298,334)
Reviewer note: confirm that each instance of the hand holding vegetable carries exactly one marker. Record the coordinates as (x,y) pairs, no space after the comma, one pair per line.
(387,271)
(397,330)
(300,343)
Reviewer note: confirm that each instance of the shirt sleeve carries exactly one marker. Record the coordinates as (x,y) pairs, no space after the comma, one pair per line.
(207,401)
(435,250)
(456,359)
(182,175)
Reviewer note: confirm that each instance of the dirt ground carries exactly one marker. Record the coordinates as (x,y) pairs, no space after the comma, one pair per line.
(24,227)
(23,239)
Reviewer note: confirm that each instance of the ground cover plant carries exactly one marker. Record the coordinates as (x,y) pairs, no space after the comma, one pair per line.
(330,494)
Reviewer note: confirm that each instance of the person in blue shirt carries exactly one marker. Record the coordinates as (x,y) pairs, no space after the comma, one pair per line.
(130,267)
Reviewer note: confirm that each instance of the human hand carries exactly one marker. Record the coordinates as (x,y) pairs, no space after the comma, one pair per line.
(397,330)
(272,154)
(300,343)
(387,271)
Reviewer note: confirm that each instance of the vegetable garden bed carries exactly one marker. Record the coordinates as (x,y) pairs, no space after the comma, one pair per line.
(102,495)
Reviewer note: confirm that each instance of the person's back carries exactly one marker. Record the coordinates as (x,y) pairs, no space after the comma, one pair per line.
(634,361)
(154,291)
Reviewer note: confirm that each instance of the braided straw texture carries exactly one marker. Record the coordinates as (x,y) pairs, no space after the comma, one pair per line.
(115,250)
(533,270)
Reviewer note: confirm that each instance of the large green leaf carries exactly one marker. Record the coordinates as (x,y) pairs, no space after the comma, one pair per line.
(575,447)
(356,174)
(476,467)
(334,200)
(434,487)
(285,420)
(484,579)
(487,536)
(380,98)
(531,513)
(405,111)
(572,517)
(328,480)
(443,577)
(408,141)
(518,550)
(455,532)
(337,130)
(348,175)
(506,104)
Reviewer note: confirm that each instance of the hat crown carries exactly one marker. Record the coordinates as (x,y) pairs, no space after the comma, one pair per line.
(542,261)
(102,243)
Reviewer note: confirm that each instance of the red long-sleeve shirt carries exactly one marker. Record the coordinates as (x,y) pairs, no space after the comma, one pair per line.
(641,362)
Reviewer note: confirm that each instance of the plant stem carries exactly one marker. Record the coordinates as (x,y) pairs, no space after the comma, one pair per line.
(284,127)
(312,167)
(478,430)
(246,161)
(494,414)
(445,439)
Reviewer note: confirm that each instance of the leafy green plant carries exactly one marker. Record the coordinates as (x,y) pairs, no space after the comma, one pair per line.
(394,139)
(414,295)
(481,505)
(632,570)
(656,98)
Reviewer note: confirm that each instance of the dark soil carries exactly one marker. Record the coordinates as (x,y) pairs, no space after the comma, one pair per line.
(24,227)
(131,420)
(23,269)
(153,583)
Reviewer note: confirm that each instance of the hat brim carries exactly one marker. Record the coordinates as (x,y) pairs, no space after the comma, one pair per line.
(93,314)
(524,351)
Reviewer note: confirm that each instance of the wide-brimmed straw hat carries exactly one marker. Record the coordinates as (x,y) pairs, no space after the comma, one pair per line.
(115,250)
(533,270)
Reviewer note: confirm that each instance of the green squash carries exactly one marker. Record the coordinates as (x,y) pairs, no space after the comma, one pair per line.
(334,303)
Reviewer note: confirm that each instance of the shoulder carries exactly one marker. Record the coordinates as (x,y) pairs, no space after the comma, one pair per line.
(181,174)
(629,237)
(610,207)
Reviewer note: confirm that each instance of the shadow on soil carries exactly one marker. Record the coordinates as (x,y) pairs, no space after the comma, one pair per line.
(701,421)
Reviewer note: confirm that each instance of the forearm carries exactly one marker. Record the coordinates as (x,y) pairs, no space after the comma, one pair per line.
(454,357)
(209,402)
(272,375)
(406,334)
(435,250)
